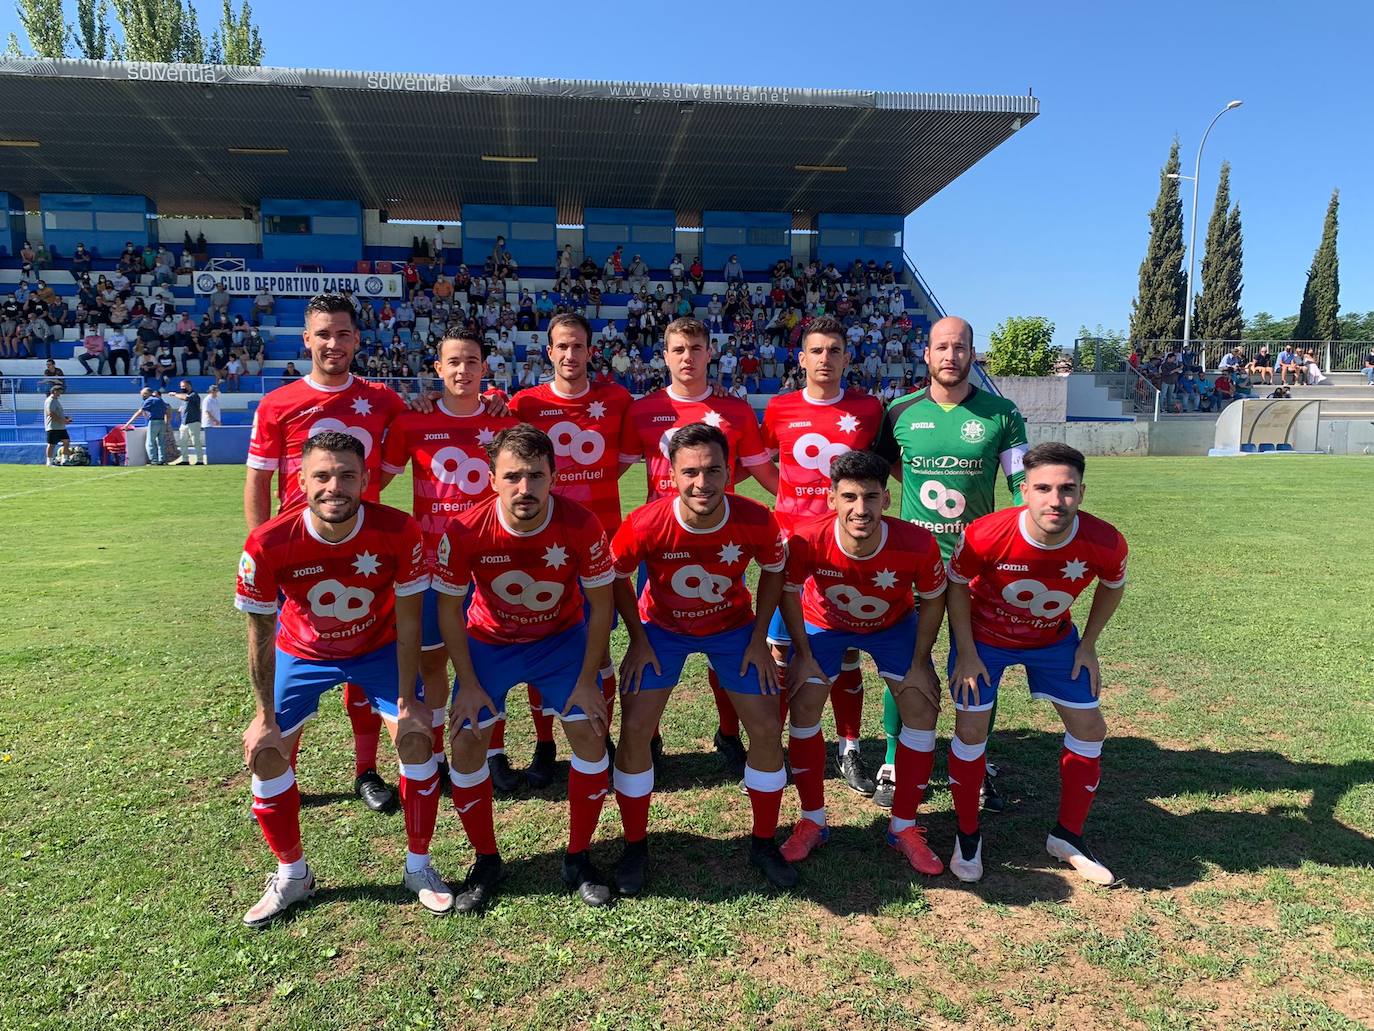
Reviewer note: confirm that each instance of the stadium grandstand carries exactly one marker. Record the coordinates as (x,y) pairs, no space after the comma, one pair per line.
(183,238)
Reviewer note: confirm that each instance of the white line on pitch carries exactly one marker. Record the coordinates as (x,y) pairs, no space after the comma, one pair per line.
(59,486)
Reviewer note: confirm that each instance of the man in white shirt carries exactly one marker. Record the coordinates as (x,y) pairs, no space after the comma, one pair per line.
(728,361)
(210,412)
(497,370)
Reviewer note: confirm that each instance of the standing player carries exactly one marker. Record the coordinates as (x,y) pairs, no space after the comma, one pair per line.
(650,425)
(585,421)
(1013,578)
(533,558)
(696,545)
(852,579)
(352,573)
(951,440)
(446,449)
(809,429)
(329,397)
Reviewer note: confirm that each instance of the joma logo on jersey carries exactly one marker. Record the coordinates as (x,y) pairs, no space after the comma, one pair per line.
(827,572)
(922,425)
(805,424)
(1012,567)
(546,412)
(664,418)
(307,571)
(490,559)
(675,556)
(436,436)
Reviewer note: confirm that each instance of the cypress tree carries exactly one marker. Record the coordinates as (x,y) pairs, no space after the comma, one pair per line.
(1157,311)
(1216,310)
(1319,316)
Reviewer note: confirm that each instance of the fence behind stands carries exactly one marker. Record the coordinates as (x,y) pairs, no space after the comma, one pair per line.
(1098,354)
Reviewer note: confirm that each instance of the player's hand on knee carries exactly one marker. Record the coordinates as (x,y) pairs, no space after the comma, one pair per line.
(468,703)
(639,656)
(413,717)
(922,679)
(1085,657)
(968,672)
(802,671)
(587,697)
(262,735)
(758,655)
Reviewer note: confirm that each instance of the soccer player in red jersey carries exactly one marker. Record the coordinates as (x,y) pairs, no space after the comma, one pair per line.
(696,546)
(351,572)
(1013,577)
(852,580)
(533,560)
(328,397)
(585,421)
(650,425)
(808,429)
(446,449)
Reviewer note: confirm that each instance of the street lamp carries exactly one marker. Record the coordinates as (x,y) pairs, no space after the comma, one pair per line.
(1192,226)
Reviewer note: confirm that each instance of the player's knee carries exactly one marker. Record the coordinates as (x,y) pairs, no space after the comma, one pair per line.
(434,665)
(269,763)
(1088,726)
(415,748)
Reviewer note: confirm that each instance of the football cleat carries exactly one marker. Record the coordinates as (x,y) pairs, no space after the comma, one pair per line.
(582,877)
(806,837)
(731,750)
(967,861)
(990,797)
(479,886)
(539,773)
(1070,848)
(374,792)
(280,895)
(885,788)
(765,854)
(504,780)
(630,869)
(435,895)
(911,843)
(855,773)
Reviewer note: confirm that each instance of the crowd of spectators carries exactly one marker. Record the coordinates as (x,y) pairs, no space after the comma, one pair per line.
(1184,386)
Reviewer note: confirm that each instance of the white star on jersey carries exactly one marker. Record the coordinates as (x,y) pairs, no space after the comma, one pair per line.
(597,410)
(712,419)
(362,406)
(366,564)
(485,436)
(848,423)
(555,555)
(887,578)
(1074,569)
(730,553)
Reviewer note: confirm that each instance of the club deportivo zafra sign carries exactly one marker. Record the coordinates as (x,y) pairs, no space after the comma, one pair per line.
(298,284)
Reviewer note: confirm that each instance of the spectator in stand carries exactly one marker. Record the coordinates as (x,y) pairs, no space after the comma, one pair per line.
(1231,361)
(52,374)
(727,363)
(697,274)
(212,413)
(263,304)
(1223,391)
(289,373)
(1169,373)
(81,260)
(1313,371)
(733,271)
(119,348)
(1288,364)
(1368,369)
(55,423)
(166,365)
(565,266)
(1262,365)
(677,272)
(498,371)
(40,337)
(219,299)
(749,365)
(1189,390)
(93,349)
(193,351)
(164,267)
(1241,384)
(638,275)
(440,242)
(155,410)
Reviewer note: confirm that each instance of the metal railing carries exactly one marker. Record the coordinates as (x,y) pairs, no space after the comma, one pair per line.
(1143,396)
(1098,354)
(937,309)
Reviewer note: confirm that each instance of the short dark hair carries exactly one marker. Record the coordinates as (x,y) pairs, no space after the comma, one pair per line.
(1052,452)
(574,319)
(859,467)
(523,441)
(331,304)
(688,327)
(336,443)
(697,434)
(463,336)
(824,324)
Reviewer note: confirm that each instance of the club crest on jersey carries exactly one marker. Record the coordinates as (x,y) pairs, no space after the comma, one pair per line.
(444,550)
(248,569)
(973,431)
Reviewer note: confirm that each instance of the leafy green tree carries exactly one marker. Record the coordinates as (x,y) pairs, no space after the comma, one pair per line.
(1265,327)
(1101,350)
(237,40)
(1022,346)
(1216,311)
(44,25)
(91,34)
(1157,312)
(1319,316)
(160,30)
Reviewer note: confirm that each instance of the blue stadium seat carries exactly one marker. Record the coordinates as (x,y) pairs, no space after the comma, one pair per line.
(1284,447)
(1265,447)
(1248,449)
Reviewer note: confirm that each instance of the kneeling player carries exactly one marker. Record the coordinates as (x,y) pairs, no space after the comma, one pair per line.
(533,559)
(850,582)
(1013,577)
(351,573)
(696,545)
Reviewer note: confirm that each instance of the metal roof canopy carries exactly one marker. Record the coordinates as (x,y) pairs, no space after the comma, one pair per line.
(210,139)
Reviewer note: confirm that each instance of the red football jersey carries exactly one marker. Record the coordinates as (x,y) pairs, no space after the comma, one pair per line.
(696,577)
(290,415)
(841,591)
(653,418)
(450,469)
(339,598)
(585,431)
(808,435)
(1022,590)
(527,582)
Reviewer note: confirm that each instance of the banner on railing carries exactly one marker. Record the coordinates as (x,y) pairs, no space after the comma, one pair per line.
(298,284)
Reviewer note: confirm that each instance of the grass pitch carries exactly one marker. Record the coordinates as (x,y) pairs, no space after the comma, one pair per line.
(1237,803)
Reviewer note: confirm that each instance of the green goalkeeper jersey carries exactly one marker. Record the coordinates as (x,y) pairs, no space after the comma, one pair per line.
(951,458)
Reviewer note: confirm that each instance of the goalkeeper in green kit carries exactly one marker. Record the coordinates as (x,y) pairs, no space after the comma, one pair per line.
(948,443)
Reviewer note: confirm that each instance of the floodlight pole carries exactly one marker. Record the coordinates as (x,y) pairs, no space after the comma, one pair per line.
(1192,224)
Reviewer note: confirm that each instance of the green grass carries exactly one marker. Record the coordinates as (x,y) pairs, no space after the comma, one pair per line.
(1237,803)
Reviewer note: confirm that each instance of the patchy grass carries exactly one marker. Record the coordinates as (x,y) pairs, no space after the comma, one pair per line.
(1237,802)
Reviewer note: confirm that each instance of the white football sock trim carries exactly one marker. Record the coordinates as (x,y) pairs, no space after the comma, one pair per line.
(965,751)
(590,765)
(634,785)
(274,786)
(1087,749)
(917,740)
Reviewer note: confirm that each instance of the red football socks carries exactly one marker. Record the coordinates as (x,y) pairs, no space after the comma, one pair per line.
(543,724)
(968,764)
(765,798)
(1080,769)
(472,799)
(497,742)
(915,759)
(367,728)
(420,794)
(847,702)
(633,792)
(806,752)
(729,721)
(277,806)
(588,785)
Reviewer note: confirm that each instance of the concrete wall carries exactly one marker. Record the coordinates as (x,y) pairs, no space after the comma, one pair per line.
(1040,398)
(173,229)
(1091,401)
(1095,438)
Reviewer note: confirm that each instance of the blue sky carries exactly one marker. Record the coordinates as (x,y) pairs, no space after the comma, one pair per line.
(1054,222)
